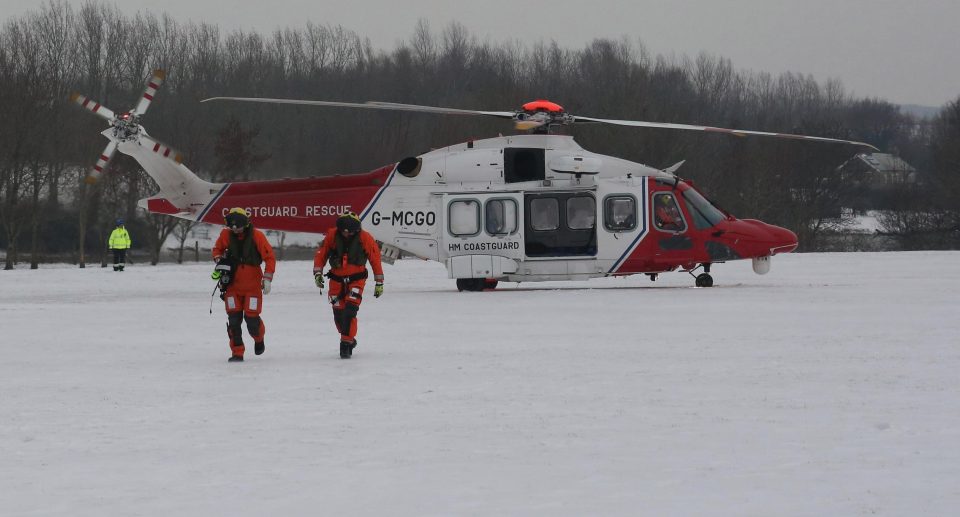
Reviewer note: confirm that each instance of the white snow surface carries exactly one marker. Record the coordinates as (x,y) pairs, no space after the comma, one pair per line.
(828,387)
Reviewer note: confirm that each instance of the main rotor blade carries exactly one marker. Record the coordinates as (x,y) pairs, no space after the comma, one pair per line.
(266,100)
(102,162)
(149,92)
(93,106)
(367,105)
(443,111)
(738,132)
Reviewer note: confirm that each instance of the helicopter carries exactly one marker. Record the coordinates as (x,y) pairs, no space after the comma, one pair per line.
(529,207)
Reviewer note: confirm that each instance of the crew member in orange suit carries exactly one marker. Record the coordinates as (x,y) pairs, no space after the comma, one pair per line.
(668,217)
(239,251)
(348,248)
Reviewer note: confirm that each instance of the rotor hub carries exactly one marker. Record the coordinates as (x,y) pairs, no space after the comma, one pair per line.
(126,127)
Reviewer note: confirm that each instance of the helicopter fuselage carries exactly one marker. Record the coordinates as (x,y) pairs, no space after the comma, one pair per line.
(515,208)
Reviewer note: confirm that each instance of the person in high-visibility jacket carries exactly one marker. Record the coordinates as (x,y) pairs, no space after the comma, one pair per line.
(239,251)
(348,248)
(119,243)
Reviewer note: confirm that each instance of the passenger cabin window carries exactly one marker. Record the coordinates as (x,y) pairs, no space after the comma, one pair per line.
(620,213)
(544,214)
(501,216)
(561,224)
(666,213)
(523,165)
(581,213)
(464,217)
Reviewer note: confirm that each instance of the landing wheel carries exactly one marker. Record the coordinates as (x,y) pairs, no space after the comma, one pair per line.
(474,284)
(704,280)
(490,283)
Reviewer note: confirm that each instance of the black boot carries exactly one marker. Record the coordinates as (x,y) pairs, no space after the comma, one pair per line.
(259,347)
(346,349)
(235,359)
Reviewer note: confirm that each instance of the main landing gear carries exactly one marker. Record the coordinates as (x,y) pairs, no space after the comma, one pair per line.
(476,284)
(703,279)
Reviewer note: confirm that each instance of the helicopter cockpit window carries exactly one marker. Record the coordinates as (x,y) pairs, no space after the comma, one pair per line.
(666,213)
(620,213)
(581,213)
(545,214)
(501,216)
(704,213)
(464,217)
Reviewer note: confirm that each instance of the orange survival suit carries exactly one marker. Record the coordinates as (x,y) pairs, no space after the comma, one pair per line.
(244,248)
(348,248)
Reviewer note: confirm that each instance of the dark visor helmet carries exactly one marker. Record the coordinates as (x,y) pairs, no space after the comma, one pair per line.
(348,221)
(237,218)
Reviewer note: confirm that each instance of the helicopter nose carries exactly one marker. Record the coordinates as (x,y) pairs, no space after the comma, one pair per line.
(752,238)
(782,240)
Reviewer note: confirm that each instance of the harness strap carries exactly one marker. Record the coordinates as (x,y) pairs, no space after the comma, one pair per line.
(347,279)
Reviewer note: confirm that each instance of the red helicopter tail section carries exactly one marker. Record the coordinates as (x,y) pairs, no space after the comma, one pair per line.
(298,205)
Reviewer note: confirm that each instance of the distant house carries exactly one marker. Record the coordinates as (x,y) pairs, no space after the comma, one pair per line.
(881,170)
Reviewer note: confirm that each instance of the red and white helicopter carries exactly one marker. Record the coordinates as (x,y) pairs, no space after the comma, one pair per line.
(522,208)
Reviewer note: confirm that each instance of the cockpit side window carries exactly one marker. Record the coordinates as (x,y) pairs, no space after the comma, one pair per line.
(666,213)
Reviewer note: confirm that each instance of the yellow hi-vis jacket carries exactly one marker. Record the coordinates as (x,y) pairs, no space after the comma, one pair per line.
(119,239)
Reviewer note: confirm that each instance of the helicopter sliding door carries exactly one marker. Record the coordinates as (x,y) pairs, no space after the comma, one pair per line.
(560,224)
(483,234)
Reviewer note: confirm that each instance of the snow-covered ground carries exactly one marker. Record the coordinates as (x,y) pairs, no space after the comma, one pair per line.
(828,387)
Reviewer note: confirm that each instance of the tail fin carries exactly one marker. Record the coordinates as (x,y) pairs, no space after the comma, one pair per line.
(182,193)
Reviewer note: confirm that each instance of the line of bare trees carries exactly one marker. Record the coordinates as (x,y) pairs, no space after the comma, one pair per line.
(47,145)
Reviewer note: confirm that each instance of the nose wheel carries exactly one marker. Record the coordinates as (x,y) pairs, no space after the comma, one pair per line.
(703,279)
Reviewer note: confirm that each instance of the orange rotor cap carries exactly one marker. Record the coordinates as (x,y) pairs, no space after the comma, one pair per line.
(542,105)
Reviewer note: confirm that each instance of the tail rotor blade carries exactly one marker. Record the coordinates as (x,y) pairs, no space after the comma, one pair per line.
(102,162)
(94,106)
(152,85)
(161,149)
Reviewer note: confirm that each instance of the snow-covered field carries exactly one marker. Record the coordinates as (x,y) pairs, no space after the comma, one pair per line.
(829,387)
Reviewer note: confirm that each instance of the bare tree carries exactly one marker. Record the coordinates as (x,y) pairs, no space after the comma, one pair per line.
(182,232)
(236,152)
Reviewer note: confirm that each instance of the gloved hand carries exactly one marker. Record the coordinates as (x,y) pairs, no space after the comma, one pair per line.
(220,270)
(378,290)
(318,279)
(266,286)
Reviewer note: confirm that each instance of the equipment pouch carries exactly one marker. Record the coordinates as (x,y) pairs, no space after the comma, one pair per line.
(227,268)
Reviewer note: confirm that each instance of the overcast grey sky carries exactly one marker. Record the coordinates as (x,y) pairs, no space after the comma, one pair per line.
(899,50)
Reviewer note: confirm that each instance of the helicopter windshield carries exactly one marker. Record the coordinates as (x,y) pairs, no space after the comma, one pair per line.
(705,214)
